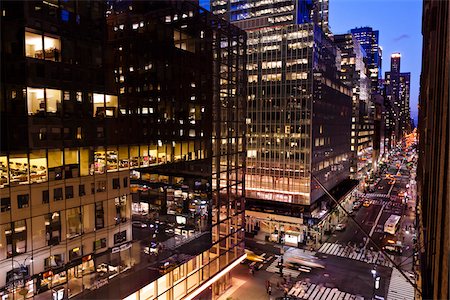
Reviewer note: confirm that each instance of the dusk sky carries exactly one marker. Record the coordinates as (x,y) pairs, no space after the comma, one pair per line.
(399,23)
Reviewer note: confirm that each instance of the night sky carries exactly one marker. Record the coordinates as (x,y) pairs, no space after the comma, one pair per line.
(399,23)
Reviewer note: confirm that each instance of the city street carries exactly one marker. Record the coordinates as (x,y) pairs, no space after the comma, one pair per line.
(351,262)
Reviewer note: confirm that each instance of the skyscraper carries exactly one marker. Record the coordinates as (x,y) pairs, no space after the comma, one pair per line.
(369,41)
(397,93)
(433,171)
(353,73)
(299,114)
(86,119)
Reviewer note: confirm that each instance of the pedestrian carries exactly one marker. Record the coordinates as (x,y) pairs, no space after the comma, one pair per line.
(269,289)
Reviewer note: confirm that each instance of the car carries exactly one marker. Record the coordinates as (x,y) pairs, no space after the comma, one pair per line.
(366,203)
(341,227)
(356,205)
(380,187)
(138,224)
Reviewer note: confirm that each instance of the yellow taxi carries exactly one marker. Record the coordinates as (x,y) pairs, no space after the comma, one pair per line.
(366,203)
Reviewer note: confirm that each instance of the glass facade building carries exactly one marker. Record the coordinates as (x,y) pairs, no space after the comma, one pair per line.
(95,98)
(298,112)
(353,73)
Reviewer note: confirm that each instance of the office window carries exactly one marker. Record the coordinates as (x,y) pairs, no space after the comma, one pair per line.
(120,237)
(42,47)
(116,183)
(16,238)
(53,228)
(99,215)
(5,204)
(45,197)
(99,244)
(121,209)
(81,190)
(74,225)
(57,194)
(69,192)
(101,186)
(23,200)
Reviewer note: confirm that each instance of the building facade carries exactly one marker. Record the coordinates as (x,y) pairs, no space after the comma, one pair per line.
(354,74)
(434,144)
(397,94)
(83,106)
(299,115)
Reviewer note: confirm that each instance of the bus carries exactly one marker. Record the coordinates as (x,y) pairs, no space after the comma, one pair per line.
(392,224)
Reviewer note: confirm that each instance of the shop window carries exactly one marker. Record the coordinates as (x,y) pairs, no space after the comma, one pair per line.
(81,190)
(53,228)
(116,183)
(99,215)
(74,225)
(16,238)
(57,194)
(121,209)
(99,244)
(101,186)
(120,237)
(45,197)
(75,253)
(69,192)
(5,204)
(23,200)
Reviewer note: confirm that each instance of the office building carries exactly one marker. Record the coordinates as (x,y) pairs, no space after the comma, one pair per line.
(397,94)
(353,74)
(433,171)
(299,116)
(156,93)
(369,41)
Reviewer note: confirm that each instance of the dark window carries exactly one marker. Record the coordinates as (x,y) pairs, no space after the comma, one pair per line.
(5,204)
(69,192)
(101,243)
(116,183)
(92,188)
(75,253)
(45,197)
(101,186)
(57,194)
(16,238)
(120,237)
(125,182)
(81,190)
(53,228)
(99,215)
(23,200)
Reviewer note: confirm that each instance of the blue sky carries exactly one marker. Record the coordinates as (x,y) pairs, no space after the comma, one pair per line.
(399,23)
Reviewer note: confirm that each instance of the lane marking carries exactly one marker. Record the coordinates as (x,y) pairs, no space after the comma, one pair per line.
(375,224)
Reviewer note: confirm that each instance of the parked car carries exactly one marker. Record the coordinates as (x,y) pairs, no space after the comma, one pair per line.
(356,205)
(341,227)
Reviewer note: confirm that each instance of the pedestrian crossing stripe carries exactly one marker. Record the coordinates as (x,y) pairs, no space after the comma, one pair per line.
(303,290)
(374,257)
(377,195)
(273,268)
(399,288)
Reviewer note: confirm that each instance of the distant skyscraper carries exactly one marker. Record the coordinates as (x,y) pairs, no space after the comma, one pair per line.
(299,112)
(368,38)
(397,94)
(353,73)
(433,170)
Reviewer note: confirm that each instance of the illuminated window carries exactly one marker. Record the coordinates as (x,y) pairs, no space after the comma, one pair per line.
(42,47)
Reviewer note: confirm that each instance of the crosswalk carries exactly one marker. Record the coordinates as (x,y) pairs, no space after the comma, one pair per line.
(373,257)
(399,288)
(273,268)
(303,290)
(377,195)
